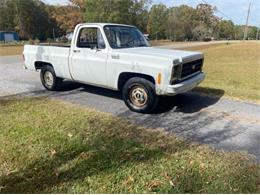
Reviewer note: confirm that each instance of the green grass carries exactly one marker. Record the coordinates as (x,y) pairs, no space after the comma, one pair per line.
(50,146)
(233,68)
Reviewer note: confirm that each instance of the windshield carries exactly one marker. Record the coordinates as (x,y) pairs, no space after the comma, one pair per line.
(125,37)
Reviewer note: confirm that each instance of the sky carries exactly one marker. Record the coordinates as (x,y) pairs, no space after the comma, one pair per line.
(228,9)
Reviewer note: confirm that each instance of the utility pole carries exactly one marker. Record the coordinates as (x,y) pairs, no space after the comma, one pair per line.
(247,20)
(53,33)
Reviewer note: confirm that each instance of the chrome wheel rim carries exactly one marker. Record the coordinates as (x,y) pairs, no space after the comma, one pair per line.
(48,79)
(138,96)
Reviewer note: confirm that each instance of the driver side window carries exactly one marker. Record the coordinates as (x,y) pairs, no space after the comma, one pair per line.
(91,38)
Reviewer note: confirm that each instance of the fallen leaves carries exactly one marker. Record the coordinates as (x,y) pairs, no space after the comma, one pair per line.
(153,185)
(70,135)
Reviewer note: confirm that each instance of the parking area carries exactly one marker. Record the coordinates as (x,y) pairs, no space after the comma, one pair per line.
(220,122)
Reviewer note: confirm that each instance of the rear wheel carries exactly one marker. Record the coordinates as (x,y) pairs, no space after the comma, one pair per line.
(49,79)
(139,95)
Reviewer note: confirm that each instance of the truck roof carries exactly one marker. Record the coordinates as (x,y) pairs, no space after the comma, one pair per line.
(105,24)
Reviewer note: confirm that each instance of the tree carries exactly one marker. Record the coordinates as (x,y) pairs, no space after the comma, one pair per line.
(133,12)
(226,29)
(28,17)
(180,23)
(205,14)
(200,32)
(7,15)
(66,17)
(205,19)
(139,13)
(157,21)
(34,19)
(239,32)
(78,3)
(252,31)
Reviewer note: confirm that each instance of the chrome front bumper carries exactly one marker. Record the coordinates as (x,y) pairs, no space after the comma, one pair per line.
(186,85)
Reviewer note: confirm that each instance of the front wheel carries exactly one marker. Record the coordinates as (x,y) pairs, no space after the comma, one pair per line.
(49,79)
(139,95)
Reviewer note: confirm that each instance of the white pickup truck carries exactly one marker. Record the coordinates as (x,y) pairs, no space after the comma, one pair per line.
(117,57)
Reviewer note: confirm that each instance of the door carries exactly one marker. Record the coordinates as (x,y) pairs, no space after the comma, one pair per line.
(89,57)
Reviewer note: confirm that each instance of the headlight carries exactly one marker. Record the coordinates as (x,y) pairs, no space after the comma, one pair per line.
(176,71)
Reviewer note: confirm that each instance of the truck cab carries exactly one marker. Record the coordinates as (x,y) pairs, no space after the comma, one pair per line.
(117,57)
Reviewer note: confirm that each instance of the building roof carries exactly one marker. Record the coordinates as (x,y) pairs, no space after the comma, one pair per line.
(8,32)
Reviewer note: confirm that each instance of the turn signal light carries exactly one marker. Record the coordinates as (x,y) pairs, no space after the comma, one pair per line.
(159,78)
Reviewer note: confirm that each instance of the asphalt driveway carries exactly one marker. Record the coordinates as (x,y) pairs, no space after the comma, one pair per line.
(219,122)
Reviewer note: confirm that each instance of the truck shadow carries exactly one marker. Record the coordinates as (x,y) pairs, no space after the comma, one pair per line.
(190,102)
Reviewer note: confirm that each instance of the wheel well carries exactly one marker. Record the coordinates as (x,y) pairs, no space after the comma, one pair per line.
(38,65)
(124,77)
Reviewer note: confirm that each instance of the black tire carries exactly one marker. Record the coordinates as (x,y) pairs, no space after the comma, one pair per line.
(56,82)
(131,95)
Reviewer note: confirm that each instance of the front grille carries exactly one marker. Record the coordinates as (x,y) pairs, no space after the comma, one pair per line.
(190,68)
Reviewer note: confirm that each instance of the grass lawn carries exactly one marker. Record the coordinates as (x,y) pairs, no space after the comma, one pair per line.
(11,50)
(234,68)
(50,146)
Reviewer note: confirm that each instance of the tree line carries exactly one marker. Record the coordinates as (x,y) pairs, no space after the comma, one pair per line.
(33,19)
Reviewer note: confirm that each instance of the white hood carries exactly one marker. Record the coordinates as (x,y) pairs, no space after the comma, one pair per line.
(163,53)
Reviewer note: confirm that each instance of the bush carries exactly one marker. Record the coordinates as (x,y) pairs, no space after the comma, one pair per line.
(49,40)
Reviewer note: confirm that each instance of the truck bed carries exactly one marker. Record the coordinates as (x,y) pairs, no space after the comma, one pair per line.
(57,56)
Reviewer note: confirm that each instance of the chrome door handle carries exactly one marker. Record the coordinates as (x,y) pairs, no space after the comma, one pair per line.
(76,51)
